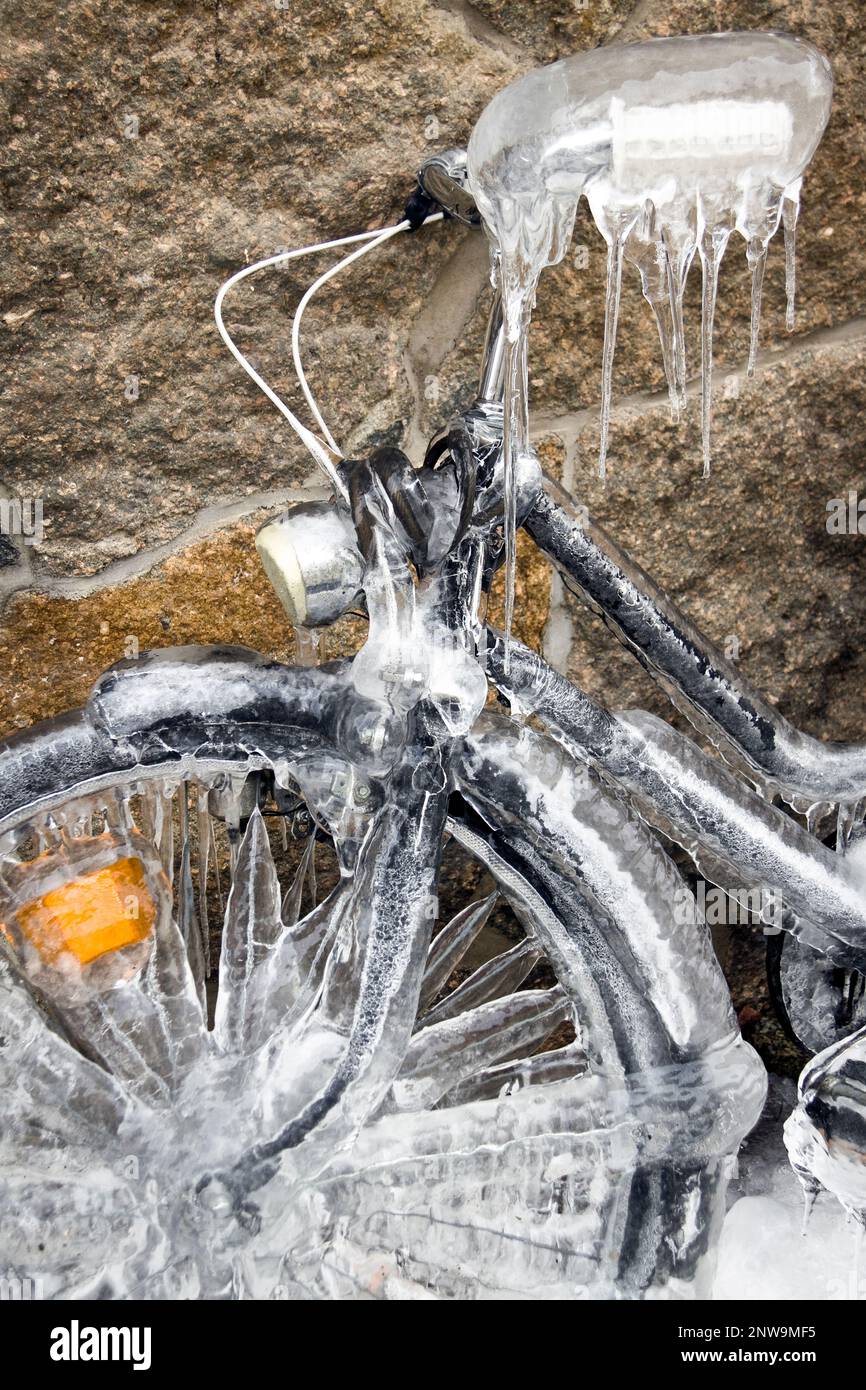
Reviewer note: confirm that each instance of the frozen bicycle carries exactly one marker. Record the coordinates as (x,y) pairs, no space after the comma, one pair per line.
(348,1124)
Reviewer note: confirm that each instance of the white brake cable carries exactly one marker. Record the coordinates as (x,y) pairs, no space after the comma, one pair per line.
(299,314)
(310,440)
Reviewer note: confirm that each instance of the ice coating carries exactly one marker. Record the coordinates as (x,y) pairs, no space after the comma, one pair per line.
(410,653)
(558,1122)
(697,802)
(725,708)
(246,1144)
(340,1078)
(826,1134)
(676,143)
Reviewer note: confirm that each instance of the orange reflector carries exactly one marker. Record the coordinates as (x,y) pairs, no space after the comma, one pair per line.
(91,915)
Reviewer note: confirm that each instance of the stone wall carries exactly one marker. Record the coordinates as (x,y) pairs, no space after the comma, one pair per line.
(150,149)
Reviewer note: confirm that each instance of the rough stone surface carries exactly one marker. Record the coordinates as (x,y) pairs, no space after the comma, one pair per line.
(746,553)
(147,154)
(148,150)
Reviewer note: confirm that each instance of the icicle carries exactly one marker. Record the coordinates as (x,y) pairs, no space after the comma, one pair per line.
(204,837)
(307,646)
(312,882)
(680,256)
(669,353)
(510,500)
(252,927)
(450,945)
(291,908)
(186,916)
(118,813)
(231,805)
(216,867)
(442,1055)
(713,243)
(811,1189)
(757,258)
(392,667)
(611,317)
(502,975)
(675,303)
(846,819)
(816,813)
(504,1079)
(646,249)
(790,213)
(515,433)
(165,833)
(48,836)
(147,814)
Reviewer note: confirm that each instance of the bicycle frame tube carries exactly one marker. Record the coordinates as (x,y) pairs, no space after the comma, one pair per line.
(394,901)
(223,707)
(714,696)
(717,699)
(491,384)
(696,801)
(697,677)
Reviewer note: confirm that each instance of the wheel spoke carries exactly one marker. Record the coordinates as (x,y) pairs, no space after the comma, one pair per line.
(451,944)
(252,927)
(444,1054)
(495,978)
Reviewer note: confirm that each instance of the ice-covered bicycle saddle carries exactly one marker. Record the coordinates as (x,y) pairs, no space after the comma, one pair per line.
(675,142)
